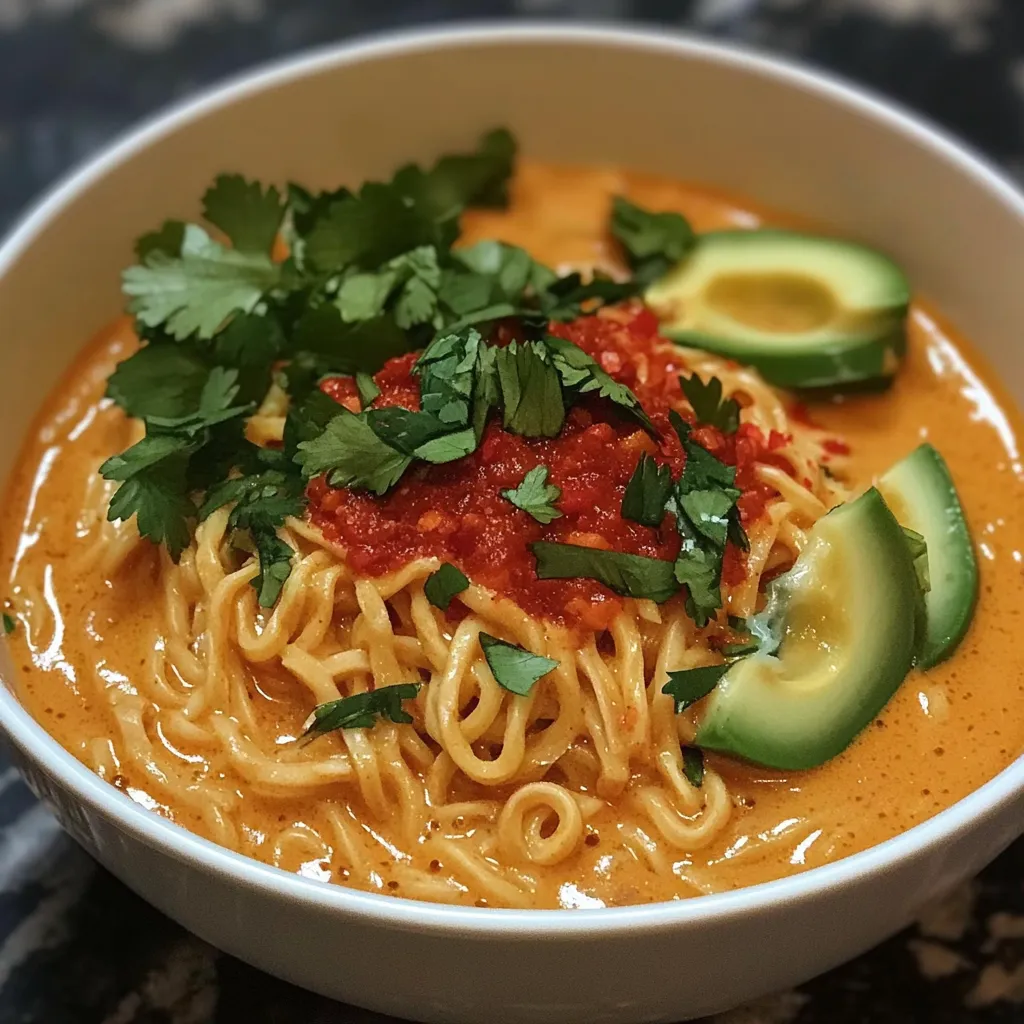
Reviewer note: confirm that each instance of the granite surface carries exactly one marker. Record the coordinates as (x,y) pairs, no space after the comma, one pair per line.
(75,945)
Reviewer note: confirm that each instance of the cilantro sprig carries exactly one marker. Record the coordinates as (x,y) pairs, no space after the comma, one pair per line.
(535,496)
(363,710)
(514,668)
(286,286)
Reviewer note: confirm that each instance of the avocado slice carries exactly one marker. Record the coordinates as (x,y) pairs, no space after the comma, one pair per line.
(837,639)
(805,310)
(920,492)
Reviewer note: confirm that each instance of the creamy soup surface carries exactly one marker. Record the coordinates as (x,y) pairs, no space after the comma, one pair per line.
(944,734)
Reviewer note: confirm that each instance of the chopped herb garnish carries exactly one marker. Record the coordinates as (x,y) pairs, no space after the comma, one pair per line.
(530,390)
(708,404)
(363,710)
(628,575)
(536,496)
(514,668)
(653,242)
(689,685)
(367,388)
(647,492)
(10,623)
(337,283)
(582,375)
(693,766)
(197,291)
(352,455)
(246,212)
(443,584)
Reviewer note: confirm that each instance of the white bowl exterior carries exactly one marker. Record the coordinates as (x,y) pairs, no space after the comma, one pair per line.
(654,103)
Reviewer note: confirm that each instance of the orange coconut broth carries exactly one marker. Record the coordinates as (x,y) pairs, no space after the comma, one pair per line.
(943,735)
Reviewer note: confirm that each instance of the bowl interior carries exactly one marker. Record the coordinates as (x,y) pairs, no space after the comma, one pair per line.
(783,137)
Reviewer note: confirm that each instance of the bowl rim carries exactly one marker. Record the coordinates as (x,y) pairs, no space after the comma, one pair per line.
(401,913)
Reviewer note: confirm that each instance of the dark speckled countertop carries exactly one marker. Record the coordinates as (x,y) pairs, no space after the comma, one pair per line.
(75,945)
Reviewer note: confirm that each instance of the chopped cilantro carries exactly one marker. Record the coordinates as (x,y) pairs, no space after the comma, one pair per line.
(535,496)
(196,292)
(647,492)
(653,242)
(10,623)
(582,375)
(530,390)
(693,766)
(166,239)
(275,565)
(159,380)
(246,212)
(363,710)
(628,575)
(708,404)
(443,584)
(352,455)
(514,668)
(687,686)
(368,390)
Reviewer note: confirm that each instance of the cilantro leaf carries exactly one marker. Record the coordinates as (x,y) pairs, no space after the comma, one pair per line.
(262,500)
(443,584)
(448,447)
(249,215)
(307,419)
(530,390)
(476,179)
(367,388)
(403,429)
(10,623)
(150,451)
(364,295)
(536,496)
(700,571)
(352,455)
(582,374)
(249,340)
(448,370)
(345,348)
(275,565)
(420,278)
(653,242)
(196,292)
(514,668)
(702,470)
(215,405)
(362,710)
(564,297)
(647,492)
(166,239)
(687,686)
(708,404)
(413,278)
(693,766)
(306,208)
(368,228)
(153,489)
(709,512)
(159,380)
(628,575)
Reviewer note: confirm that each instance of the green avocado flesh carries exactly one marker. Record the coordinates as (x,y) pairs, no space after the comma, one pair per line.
(806,311)
(920,492)
(838,637)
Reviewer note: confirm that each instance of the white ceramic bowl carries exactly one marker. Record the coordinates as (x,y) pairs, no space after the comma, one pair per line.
(659,103)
